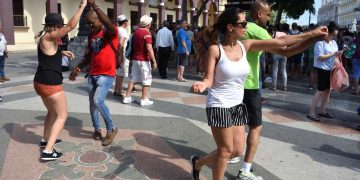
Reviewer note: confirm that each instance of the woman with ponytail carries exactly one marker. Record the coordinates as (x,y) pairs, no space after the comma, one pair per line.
(226,71)
(48,78)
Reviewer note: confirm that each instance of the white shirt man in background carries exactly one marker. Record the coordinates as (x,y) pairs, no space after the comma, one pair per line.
(123,70)
(164,45)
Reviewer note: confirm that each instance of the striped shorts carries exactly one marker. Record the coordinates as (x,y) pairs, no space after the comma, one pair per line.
(227,117)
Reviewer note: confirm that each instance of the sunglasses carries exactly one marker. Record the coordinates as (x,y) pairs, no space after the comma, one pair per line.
(243,24)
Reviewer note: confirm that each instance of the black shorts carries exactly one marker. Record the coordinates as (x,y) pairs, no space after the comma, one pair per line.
(227,117)
(182,61)
(252,100)
(323,79)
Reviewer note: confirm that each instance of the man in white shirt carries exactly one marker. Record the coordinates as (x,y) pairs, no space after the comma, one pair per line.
(3,55)
(164,45)
(123,70)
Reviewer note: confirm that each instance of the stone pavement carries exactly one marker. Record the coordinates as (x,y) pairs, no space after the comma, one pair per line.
(155,142)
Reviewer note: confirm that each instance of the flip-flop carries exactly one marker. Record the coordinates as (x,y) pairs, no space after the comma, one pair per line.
(326,115)
(313,117)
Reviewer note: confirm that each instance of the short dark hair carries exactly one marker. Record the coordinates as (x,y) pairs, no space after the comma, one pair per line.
(120,23)
(332,27)
(257,5)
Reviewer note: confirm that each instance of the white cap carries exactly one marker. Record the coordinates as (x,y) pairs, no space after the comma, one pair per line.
(121,18)
(145,20)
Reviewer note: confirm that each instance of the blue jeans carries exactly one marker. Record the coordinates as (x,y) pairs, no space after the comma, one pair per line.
(2,66)
(98,89)
(282,60)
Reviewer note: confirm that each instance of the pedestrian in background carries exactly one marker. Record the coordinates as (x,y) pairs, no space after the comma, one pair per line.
(356,64)
(3,54)
(48,79)
(184,50)
(141,61)
(164,45)
(123,70)
(325,54)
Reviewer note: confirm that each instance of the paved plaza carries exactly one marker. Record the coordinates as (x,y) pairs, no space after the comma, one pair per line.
(155,142)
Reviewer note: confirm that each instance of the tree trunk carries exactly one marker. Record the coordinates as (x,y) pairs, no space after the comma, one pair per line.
(198,13)
(279,13)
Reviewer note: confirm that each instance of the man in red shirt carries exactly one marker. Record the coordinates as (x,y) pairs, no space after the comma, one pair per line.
(100,57)
(141,65)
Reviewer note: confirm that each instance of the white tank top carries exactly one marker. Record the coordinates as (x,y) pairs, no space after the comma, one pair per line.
(229,78)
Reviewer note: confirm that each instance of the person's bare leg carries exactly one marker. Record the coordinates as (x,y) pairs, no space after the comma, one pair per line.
(252,142)
(59,107)
(145,90)
(118,84)
(325,101)
(218,159)
(129,89)
(182,69)
(49,120)
(314,102)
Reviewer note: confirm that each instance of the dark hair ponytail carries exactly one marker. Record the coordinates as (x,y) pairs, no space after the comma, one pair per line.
(219,31)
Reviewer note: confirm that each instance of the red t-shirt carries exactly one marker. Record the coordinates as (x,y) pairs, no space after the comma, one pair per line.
(102,55)
(140,38)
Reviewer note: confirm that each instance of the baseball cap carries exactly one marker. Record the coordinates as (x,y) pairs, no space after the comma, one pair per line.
(145,20)
(53,19)
(122,18)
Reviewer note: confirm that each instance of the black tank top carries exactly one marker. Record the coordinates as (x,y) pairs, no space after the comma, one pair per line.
(49,68)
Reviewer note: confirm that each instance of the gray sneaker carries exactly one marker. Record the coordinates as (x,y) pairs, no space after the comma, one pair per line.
(248,176)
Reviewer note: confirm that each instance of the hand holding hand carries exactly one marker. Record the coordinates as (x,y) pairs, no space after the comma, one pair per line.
(74,73)
(321,31)
(198,87)
(83,3)
(91,3)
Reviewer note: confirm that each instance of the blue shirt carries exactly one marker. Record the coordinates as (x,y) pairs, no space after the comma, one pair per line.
(183,36)
(323,48)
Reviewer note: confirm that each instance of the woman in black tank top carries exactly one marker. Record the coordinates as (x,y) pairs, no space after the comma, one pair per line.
(48,79)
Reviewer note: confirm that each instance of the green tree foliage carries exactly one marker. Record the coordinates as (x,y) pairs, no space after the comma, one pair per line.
(293,8)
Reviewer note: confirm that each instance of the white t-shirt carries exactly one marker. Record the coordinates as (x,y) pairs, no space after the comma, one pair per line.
(3,43)
(229,78)
(123,34)
(324,48)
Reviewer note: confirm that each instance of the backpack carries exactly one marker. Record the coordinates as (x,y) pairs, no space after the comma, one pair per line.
(129,50)
(339,79)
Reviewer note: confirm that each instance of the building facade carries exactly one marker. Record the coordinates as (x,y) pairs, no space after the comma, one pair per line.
(348,11)
(328,12)
(22,19)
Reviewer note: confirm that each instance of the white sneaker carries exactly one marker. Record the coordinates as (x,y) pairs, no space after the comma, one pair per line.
(234,160)
(146,102)
(127,100)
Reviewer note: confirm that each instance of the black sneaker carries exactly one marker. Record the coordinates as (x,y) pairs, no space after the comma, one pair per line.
(195,173)
(50,156)
(0,99)
(43,144)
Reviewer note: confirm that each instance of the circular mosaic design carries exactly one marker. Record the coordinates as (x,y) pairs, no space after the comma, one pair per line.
(93,158)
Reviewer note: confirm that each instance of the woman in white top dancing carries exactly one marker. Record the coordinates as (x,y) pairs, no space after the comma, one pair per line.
(226,71)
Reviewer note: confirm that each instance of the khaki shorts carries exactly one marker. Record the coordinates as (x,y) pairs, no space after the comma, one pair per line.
(141,72)
(123,70)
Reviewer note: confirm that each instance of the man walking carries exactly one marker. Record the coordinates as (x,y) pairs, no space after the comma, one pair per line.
(123,70)
(141,65)
(101,57)
(260,14)
(164,45)
(3,55)
(184,50)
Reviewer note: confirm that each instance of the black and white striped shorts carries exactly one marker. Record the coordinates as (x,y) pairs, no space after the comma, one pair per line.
(227,117)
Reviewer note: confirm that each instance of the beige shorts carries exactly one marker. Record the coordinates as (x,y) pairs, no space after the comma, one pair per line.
(141,72)
(123,71)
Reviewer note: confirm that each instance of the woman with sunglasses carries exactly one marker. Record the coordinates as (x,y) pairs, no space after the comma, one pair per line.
(226,71)
(48,79)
